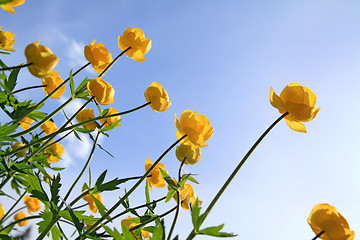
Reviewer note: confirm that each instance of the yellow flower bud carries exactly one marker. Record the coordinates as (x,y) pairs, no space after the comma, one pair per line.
(187,196)
(2,212)
(49,127)
(156,179)
(20,216)
(90,200)
(52,82)
(25,123)
(130,225)
(84,115)
(197,128)
(158,97)
(108,121)
(32,204)
(188,151)
(42,59)
(325,217)
(21,153)
(135,38)
(98,56)
(101,90)
(6,40)
(54,152)
(299,102)
(9,7)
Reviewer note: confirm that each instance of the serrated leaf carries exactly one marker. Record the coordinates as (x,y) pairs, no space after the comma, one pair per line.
(54,189)
(115,234)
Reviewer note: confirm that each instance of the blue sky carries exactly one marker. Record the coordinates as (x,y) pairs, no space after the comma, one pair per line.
(220,58)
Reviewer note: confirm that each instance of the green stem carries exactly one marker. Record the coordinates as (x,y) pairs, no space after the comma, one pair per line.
(20,220)
(12,207)
(15,67)
(233,174)
(320,233)
(48,227)
(27,88)
(109,66)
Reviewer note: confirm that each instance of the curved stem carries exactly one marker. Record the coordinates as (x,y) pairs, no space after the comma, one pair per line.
(233,174)
(12,207)
(117,57)
(15,67)
(20,220)
(320,233)
(27,88)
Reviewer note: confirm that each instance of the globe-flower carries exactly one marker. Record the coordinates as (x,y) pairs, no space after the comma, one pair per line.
(20,216)
(85,115)
(327,218)
(91,202)
(135,39)
(197,128)
(98,56)
(130,225)
(2,212)
(32,204)
(158,97)
(49,127)
(25,123)
(156,179)
(52,82)
(190,152)
(101,90)
(42,60)
(187,195)
(54,152)
(21,153)
(108,121)
(299,102)
(6,40)
(9,7)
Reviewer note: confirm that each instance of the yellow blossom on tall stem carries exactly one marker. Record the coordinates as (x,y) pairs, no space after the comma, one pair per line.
(54,152)
(98,56)
(32,204)
(2,212)
(101,90)
(108,121)
(85,115)
(138,43)
(130,225)
(156,179)
(49,127)
(327,219)
(189,152)
(25,123)
(52,82)
(91,202)
(9,7)
(158,97)
(197,127)
(21,153)
(6,40)
(299,102)
(41,59)
(20,216)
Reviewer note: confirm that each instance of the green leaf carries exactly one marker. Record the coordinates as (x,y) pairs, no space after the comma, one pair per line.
(5,237)
(5,1)
(54,188)
(71,83)
(168,179)
(111,126)
(41,169)
(1,52)
(39,195)
(55,233)
(75,220)
(158,233)
(170,194)
(11,82)
(126,233)
(189,177)
(81,87)
(37,115)
(2,64)
(100,206)
(176,238)
(100,179)
(46,215)
(115,234)
(105,150)
(79,214)
(215,232)
(83,130)
(195,212)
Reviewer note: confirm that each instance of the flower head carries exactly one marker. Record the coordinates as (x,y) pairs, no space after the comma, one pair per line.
(25,123)
(98,56)
(158,97)
(197,128)
(32,204)
(187,195)
(2,211)
(20,216)
(49,127)
(54,152)
(325,217)
(21,153)
(42,59)
(52,82)
(130,225)
(90,200)
(299,102)
(138,43)
(156,179)
(6,40)
(108,121)
(84,115)
(190,152)
(101,90)
(9,7)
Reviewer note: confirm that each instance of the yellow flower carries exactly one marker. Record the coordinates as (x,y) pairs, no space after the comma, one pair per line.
(156,179)
(130,225)
(98,56)
(25,123)
(6,40)
(9,7)
(108,121)
(101,90)
(187,195)
(2,212)
(85,115)
(42,59)
(158,97)
(19,216)
(49,127)
(188,151)
(54,152)
(135,38)
(299,102)
(32,204)
(90,200)
(197,128)
(21,153)
(52,82)
(325,217)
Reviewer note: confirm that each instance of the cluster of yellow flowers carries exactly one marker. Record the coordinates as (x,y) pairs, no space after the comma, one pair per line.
(32,204)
